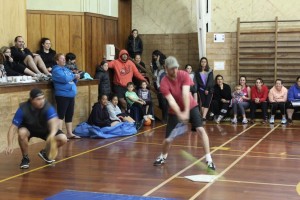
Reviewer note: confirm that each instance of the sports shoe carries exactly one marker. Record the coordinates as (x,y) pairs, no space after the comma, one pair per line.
(234,121)
(290,121)
(271,121)
(159,161)
(44,156)
(245,121)
(283,120)
(25,162)
(211,166)
(151,117)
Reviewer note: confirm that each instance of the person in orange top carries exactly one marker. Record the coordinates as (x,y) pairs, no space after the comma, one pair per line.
(259,95)
(277,99)
(124,71)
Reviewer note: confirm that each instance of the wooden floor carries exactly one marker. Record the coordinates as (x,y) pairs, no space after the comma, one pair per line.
(253,162)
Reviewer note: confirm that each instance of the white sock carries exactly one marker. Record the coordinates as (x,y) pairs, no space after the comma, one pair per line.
(208,158)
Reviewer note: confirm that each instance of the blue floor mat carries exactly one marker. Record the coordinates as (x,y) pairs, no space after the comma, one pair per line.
(81,195)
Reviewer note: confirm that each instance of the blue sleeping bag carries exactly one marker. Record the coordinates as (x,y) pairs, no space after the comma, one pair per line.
(121,129)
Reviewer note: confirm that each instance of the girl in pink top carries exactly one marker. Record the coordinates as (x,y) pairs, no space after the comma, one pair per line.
(277,98)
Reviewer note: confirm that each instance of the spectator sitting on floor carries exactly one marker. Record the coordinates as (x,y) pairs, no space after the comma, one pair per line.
(99,115)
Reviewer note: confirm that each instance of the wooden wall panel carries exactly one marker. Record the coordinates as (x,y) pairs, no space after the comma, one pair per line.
(12,20)
(33,23)
(111,28)
(75,39)
(88,42)
(124,22)
(84,34)
(62,24)
(48,28)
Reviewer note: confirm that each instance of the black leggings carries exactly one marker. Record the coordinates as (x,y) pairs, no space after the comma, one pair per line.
(278,105)
(65,108)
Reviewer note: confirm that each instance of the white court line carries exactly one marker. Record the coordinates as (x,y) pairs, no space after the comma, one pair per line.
(196,162)
(232,164)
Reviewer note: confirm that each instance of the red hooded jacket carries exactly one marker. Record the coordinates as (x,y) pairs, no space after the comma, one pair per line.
(124,70)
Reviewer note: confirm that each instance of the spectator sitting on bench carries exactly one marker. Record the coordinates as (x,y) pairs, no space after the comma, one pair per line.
(145,95)
(259,95)
(277,98)
(221,99)
(134,102)
(238,102)
(293,100)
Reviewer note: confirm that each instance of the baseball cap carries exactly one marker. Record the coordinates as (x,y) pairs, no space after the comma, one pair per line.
(36,92)
(171,62)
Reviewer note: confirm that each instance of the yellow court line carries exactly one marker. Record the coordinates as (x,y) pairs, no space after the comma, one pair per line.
(191,165)
(232,164)
(76,155)
(256,183)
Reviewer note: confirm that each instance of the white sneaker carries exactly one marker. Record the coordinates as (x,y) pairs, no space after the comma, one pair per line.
(245,121)
(271,121)
(151,117)
(283,120)
(146,117)
(234,121)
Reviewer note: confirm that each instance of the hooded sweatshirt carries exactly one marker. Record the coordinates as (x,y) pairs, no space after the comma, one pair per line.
(294,93)
(124,70)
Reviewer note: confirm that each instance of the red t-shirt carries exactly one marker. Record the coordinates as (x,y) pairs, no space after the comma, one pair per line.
(174,87)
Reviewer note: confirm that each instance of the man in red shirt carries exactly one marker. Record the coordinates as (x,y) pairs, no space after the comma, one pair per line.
(175,86)
(124,70)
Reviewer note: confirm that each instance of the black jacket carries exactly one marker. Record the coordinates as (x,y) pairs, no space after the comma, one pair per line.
(134,45)
(99,116)
(104,81)
(222,94)
(209,82)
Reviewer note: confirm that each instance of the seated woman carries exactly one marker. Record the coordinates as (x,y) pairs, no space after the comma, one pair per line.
(13,68)
(47,54)
(277,98)
(259,95)
(99,115)
(293,99)
(221,99)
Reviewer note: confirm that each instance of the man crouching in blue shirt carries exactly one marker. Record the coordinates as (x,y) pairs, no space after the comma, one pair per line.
(34,118)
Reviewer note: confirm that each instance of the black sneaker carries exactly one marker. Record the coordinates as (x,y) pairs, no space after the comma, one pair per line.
(290,121)
(211,166)
(25,162)
(44,156)
(159,161)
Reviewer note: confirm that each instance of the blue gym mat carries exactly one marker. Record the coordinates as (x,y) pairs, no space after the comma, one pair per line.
(82,195)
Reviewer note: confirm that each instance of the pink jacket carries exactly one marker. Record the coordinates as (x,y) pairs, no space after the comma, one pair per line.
(278,96)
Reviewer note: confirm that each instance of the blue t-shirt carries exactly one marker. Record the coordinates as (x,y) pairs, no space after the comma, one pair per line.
(18,118)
